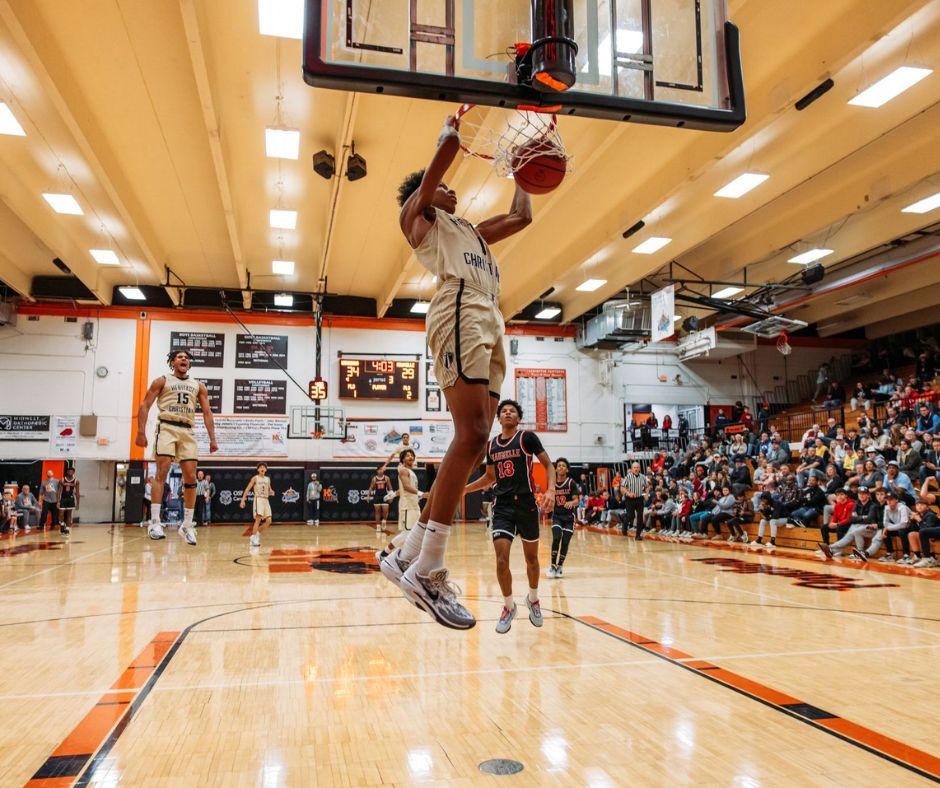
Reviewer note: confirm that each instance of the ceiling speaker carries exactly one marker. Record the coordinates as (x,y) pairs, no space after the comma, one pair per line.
(813,274)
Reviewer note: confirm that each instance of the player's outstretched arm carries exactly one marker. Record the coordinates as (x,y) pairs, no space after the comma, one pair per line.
(496,228)
(486,481)
(152,393)
(412,217)
(549,499)
(207,416)
(245,492)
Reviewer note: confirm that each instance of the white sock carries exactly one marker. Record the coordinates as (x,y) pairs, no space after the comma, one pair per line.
(432,548)
(155,513)
(507,601)
(533,595)
(188,516)
(399,539)
(412,546)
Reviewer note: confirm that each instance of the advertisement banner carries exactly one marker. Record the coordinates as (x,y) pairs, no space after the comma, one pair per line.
(377,439)
(286,503)
(663,304)
(24,428)
(264,437)
(63,439)
(345,494)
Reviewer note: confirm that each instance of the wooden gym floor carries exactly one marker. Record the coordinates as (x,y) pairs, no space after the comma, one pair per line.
(131,662)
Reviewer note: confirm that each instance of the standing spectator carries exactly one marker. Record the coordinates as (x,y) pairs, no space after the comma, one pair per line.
(201,486)
(822,381)
(763,417)
(50,494)
(747,419)
(633,486)
(683,431)
(721,421)
(667,425)
(314,491)
(210,494)
(736,411)
(26,506)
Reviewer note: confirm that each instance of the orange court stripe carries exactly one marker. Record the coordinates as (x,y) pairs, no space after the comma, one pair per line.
(68,760)
(876,743)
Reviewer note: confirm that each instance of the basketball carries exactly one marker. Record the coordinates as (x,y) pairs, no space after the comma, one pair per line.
(538,166)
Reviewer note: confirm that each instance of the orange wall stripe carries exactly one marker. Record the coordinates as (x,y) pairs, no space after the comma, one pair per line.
(71,757)
(141,383)
(897,752)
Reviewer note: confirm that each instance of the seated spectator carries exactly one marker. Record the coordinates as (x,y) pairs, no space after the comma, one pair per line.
(835,395)
(740,477)
(899,482)
(742,513)
(699,516)
(909,459)
(8,515)
(896,519)
(723,511)
(659,517)
(861,397)
(809,506)
(680,519)
(738,446)
(811,464)
(928,529)
(840,521)
(26,507)
(867,516)
(597,503)
(778,453)
(809,437)
(930,467)
(837,450)
(770,513)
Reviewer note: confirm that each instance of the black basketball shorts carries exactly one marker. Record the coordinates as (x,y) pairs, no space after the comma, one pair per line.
(516,515)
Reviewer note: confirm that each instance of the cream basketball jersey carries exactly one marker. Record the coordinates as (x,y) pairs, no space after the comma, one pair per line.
(262,486)
(453,249)
(407,500)
(178,400)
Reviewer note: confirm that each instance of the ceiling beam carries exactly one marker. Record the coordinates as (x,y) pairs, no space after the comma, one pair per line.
(14,277)
(77,118)
(210,117)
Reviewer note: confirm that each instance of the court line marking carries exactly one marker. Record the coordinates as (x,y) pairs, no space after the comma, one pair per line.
(885,747)
(54,567)
(762,595)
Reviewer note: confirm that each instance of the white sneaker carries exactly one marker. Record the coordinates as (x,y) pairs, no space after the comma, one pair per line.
(309,522)
(316,523)
(437,596)
(393,567)
(906,560)
(550,572)
(819,554)
(732,538)
(886,559)
(378,528)
(927,563)
(770,547)
(755,544)
(744,538)
(155,531)
(188,533)
(558,571)
(255,540)
(26,529)
(505,619)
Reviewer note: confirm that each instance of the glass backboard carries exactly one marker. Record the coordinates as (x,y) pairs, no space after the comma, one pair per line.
(668,62)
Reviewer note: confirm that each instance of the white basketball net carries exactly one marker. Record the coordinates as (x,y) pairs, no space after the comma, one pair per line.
(783,344)
(498,134)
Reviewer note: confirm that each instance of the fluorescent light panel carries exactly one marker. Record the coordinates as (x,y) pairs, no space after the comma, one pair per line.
(420,307)
(548,313)
(676,317)
(811,256)
(282,143)
(590,285)
(742,185)
(283,220)
(652,245)
(132,293)
(728,292)
(8,122)
(104,256)
(890,86)
(283,267)
(283,299)
(64,203)
(924,206)
(281,18)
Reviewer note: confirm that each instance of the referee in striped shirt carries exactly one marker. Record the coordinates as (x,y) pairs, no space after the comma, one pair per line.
(633,486)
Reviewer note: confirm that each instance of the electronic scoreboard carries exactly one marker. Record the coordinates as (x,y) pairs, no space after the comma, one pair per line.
(361,378)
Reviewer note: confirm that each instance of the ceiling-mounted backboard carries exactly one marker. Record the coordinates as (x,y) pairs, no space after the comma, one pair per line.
(666,62)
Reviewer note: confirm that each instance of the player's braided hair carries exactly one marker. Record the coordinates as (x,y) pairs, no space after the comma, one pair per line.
(409,186)
(512,402)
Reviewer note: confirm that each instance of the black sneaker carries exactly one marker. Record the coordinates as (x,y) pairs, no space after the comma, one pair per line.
(860,555)
(826,550)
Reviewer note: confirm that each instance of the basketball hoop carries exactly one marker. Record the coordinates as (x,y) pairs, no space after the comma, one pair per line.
(317,434)
(783,344)
(510,138)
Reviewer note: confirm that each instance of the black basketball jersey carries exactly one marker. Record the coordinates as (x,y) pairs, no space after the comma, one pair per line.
(67,500)
(564,492)
(513,462)
(382,484)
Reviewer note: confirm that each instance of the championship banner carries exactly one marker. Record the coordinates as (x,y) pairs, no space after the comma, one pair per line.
(543,396)
(377,439)
(207,349)
(263,437)
(663,305)
(24,428)
(287,503)
(63,438)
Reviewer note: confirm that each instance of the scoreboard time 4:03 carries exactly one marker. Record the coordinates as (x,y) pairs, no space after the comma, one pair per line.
(361,378)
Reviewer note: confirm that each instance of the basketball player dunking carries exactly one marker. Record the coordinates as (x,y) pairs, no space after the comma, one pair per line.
(465,335)
(509,465)
(176,396)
